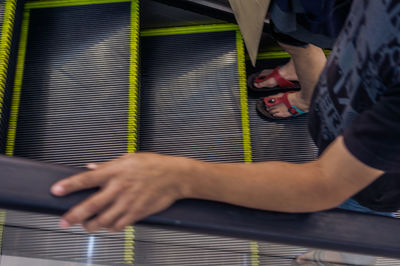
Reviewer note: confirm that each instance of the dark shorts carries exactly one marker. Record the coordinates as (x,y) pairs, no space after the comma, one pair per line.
(284,38)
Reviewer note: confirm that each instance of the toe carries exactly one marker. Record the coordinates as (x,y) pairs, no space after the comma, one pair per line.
(274,112)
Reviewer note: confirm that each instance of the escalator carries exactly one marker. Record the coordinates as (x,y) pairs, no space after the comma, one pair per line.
(87,83)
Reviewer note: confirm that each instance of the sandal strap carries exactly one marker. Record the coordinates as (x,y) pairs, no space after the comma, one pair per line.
(272,101)
(282,82)
(295,111)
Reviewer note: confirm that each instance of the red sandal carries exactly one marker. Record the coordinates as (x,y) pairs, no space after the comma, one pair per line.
(263,103)
(283,84)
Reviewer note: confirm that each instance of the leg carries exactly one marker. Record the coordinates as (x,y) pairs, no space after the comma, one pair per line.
(287,71)
(309,62)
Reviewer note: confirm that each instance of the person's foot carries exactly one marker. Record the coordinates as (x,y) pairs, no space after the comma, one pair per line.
(325,257)
(281,110)
(287,71)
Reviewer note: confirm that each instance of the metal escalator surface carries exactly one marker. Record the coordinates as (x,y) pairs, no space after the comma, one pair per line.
(71,105)
(73,108)
(3,97)
(157,15)
(282,140)
(77,104)
(190,106)
(2,6)
(75,87)
(10,17)
(190,96)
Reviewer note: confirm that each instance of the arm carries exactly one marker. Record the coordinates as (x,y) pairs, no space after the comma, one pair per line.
(137,185)
(287,187)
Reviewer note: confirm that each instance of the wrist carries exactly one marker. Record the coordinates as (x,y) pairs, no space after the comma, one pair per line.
(189,177)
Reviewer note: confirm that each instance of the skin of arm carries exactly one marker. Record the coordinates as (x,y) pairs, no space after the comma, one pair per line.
(137,185)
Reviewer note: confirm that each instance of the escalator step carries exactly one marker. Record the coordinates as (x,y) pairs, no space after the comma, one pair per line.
(190,98)
(75,92)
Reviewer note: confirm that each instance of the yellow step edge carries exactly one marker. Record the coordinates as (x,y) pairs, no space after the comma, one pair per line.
(189,29)
(63,3)
(19,73)
(5,45)
(129,244)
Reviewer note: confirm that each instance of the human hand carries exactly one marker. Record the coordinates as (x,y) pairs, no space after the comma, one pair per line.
(131,187)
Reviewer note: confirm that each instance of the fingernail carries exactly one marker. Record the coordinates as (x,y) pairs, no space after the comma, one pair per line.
(91,166)
(58,190)
(64,224)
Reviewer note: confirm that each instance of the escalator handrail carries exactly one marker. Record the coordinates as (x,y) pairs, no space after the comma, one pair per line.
(25,186)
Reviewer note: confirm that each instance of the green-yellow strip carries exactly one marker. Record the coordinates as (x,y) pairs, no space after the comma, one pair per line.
(272,55)
(5,45)
(12,128)
(2,223)
(60,3)
(278,54)
(189,29)
(133,77)
(255,261)
(254,256)
(129,252)
(243,98)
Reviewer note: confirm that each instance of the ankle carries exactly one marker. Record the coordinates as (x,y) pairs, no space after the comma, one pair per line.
(296,100)
(288,72)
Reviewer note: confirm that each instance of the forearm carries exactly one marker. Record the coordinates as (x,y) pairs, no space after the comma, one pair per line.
(275,186)
(280,186)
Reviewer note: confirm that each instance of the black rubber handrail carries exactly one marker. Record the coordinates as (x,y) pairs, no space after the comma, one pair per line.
(25,186)
(210,8)
(216,9)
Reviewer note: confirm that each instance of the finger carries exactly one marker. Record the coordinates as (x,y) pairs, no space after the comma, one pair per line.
(91,227)
(274,112)
(124,221)
(109,216)
(141,210)
(91,206)
(81,181)
(92,166)
(277,114)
